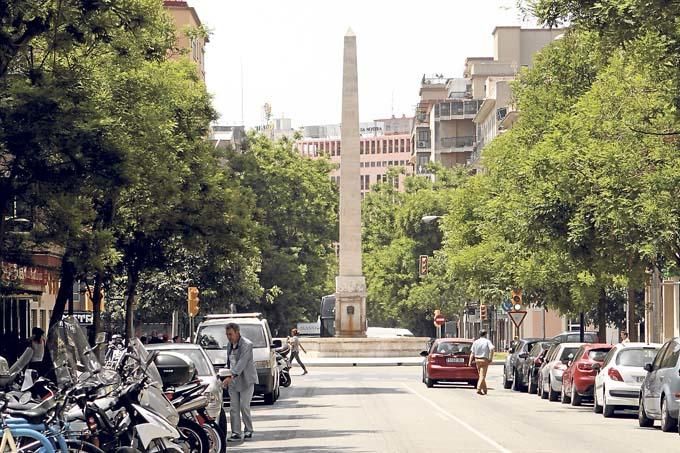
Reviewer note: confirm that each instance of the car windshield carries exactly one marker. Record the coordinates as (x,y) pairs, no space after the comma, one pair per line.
(453,348)
(597,355)
(566,352)
(215,336)
(636,357)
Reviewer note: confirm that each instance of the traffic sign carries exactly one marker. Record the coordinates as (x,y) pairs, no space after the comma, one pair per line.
(439,320)
(517,317)
(507,305)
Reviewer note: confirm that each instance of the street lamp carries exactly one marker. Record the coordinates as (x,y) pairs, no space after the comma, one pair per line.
(430,218)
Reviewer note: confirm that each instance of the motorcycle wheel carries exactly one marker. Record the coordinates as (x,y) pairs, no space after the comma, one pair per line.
(286,380)
(194,435)
(216,437)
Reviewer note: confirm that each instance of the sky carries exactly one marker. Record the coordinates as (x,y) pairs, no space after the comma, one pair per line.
(290,52)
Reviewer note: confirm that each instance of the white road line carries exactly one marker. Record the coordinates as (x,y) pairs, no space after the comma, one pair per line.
(465,425)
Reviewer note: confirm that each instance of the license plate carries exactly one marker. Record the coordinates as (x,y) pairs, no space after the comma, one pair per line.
(454,360)
(639,378)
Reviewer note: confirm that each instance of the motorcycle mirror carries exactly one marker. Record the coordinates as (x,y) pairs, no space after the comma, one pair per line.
(100,339)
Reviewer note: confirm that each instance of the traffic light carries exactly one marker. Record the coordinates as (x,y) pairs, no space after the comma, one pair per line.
(423,265)
(517,299)
(483,312)
(193,301)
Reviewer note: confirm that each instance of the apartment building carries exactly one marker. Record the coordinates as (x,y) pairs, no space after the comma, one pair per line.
(514,49)
(186,19)
(384,143)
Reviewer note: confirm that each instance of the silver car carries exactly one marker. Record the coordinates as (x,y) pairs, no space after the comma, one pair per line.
(552,371)
(661,388)
(205,372)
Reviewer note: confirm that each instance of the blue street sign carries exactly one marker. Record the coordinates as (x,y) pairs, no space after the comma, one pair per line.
(507,305)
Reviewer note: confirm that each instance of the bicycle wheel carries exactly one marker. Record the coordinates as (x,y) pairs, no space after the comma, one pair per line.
(75,446)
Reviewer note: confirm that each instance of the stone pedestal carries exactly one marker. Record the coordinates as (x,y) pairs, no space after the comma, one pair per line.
(350,306)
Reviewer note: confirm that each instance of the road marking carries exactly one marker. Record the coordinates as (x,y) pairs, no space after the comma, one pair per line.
(462,423)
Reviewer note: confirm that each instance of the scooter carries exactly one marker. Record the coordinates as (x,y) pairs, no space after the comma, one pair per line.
(283,365)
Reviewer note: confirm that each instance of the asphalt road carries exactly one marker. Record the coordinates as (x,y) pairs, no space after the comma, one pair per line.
(388,409)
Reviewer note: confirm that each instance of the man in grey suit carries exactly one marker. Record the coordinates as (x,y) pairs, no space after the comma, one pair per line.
(241,383)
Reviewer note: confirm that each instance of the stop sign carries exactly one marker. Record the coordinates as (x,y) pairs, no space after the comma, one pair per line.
(439,320)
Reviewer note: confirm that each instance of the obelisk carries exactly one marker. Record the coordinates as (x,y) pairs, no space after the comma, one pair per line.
(350,285)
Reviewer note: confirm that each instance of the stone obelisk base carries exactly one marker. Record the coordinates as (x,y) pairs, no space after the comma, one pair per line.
(350,306)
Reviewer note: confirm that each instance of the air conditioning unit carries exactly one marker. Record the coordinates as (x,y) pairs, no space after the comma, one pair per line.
(422,144)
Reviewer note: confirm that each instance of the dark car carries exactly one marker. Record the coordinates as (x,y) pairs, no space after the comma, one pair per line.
(447,360)
(511,370)
(575,337)
(529,366)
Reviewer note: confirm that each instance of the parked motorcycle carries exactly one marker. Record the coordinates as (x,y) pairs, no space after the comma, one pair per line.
(283,364)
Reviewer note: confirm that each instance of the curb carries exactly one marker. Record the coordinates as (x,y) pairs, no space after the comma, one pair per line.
(351,363)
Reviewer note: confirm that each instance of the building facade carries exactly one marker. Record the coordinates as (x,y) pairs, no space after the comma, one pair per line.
(233,137)
(384,144)
(514,49)
(188,35)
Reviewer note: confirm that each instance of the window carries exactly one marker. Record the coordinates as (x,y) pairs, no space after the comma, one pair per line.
(566,351)
(636,357)
(671,357)
(365,182)
(215,336)
(660,356)
(373,164)
(361,148)
(390,148)
(423,136)
(598,355)
(34,318)
(372,146)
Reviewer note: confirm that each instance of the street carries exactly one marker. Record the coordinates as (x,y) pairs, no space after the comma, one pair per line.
(388,409)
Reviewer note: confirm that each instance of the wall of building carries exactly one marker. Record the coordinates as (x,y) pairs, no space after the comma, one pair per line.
(184,18)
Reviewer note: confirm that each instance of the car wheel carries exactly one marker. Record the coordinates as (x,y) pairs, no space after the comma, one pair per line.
(564,399)
(575,397)
(542,393)
(607,409)
(596,404)
(643,420)
(533,386)
(552,394)
(506,384)
(429,382)
(473,383)
(269,398)
(668,423)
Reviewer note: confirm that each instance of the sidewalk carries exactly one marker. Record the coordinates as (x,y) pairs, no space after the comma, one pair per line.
(367,361)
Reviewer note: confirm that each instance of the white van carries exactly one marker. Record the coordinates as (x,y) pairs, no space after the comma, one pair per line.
(212,336)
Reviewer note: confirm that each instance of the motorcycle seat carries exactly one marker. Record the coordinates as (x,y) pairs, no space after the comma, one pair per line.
(34,416)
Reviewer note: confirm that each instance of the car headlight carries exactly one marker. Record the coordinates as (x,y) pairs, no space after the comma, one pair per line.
(262,364)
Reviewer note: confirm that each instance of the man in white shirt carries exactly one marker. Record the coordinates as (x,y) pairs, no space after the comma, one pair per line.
(482,353)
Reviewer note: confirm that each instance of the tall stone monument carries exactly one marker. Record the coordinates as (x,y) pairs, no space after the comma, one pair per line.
(350,285)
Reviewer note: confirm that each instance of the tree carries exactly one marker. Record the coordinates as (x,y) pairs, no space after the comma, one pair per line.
(296,213)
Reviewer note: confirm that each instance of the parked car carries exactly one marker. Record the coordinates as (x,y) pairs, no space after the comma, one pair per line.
(575,337)
(658,394)
(511,369)
(620,377)
(552,371)
(212,337)
(447,361)
(205,372)
(529,366)
(547,357)
(578,380)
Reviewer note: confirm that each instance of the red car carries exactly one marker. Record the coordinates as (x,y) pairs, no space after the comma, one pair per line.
(578,381)
(447,361)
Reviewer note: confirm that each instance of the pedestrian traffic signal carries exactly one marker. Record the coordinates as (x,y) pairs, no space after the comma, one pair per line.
(517,299)
(423,265)
(483,312)
(193,301)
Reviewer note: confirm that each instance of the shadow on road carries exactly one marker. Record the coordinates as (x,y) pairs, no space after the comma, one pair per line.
(277,435)
(310,449)
(282,417)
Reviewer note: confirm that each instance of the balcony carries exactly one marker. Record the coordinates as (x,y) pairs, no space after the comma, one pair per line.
(456,144)
(457,110)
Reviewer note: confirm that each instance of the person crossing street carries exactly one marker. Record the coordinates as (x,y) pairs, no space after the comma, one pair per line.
(482,353)
(295,346)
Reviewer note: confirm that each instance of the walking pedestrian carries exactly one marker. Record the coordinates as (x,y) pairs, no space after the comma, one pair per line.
(624,337)
(241,383)
(38,346)
(295,346)
(482,353)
